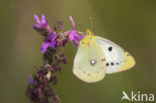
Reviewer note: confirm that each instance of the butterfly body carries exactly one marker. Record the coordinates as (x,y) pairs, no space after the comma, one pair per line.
(97,56)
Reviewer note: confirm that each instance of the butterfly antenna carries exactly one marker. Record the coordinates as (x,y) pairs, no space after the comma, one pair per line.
(91,25)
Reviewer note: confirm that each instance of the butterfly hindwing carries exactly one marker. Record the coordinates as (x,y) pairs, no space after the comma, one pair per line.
(89,63)
(117,59)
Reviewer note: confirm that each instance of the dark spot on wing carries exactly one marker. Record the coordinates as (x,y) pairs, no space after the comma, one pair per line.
(88,74)
(107,64)
(103,59)
(93,62)
(112,63)
(117,63)
(110,49)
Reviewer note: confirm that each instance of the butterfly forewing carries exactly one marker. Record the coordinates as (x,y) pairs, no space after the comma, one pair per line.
(117,59)
(89,63)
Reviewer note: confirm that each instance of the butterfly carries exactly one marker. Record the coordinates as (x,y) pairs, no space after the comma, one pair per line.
(97,56)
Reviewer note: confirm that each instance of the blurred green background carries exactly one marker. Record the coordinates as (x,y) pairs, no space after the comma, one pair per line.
(129,23)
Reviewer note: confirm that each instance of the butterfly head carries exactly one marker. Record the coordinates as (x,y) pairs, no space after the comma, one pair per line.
(89,32)
(88,39)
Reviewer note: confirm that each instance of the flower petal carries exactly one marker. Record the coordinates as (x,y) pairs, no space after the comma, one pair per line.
(52,44)
(40,24)
(76,42)
(31,80)
(43,19)
(79,37)
(44,46)
(71,19)
(72,35)
(52,36)
(37,19)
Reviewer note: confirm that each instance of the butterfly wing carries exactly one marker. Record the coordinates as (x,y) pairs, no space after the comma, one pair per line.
(117,59)
(89,62)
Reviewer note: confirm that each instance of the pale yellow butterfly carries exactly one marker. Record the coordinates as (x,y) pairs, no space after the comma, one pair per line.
(97,56)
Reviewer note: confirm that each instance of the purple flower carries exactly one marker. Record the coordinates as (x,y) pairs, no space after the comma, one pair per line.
(73,36)
(60,25)
(49,42)
(40,23)
(31,79)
